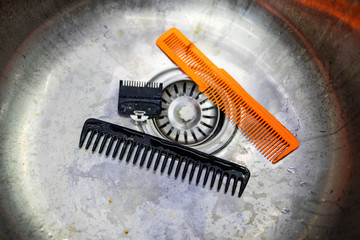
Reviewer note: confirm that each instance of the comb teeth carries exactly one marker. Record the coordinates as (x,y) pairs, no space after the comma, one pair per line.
(127,83)
(268,135)
(271,138)
(153,152)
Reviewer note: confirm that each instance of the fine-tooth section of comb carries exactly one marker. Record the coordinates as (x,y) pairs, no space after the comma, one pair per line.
(268,135)
(145,149)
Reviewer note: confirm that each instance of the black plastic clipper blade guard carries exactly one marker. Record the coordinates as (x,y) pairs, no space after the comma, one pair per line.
(141,97)
(108,134)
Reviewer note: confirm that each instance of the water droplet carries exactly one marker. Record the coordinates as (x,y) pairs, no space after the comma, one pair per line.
(106,35)
(41,229)
(106,27)
(292,170)
(104,47)
(49,235)
(285,211)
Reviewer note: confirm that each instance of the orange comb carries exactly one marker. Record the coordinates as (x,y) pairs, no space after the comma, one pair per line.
(268,135)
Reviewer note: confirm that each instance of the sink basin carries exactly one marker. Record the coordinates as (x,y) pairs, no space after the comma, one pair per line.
(61,63)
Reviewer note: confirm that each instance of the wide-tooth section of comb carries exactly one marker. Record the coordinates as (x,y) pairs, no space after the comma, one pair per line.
(268,135)
(171,157)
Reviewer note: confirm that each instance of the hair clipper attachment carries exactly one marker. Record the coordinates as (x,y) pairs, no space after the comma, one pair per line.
(137,146)
(139,100)
(268,135)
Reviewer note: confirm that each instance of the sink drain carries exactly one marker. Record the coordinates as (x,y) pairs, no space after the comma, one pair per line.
(187,116)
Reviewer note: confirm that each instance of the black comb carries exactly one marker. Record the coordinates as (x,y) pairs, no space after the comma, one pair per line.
(138,99)
(129,141)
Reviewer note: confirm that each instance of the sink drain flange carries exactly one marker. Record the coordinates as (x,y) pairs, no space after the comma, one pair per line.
(187,116)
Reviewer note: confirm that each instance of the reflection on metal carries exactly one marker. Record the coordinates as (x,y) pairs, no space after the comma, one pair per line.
(139,116)
(50,188)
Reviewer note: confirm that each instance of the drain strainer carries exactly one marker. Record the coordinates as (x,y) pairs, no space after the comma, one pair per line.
(187,116)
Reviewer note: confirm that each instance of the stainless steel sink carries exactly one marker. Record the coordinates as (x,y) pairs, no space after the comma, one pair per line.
(61,63)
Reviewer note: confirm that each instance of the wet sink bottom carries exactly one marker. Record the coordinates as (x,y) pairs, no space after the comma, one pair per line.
(69,71)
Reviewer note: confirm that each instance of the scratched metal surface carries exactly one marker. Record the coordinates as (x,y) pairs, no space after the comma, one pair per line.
(67,70)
